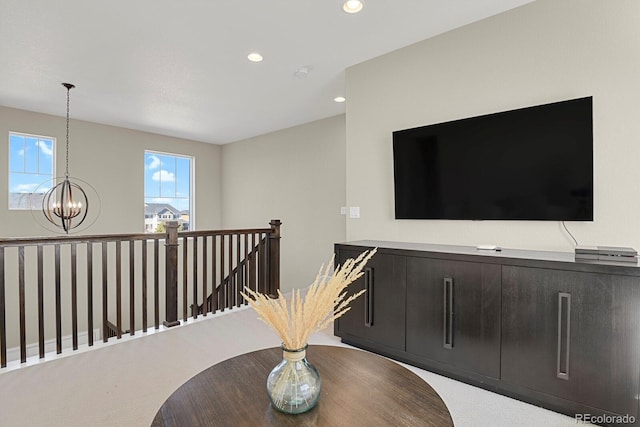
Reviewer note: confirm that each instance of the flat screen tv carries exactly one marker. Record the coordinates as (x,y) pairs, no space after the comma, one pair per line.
(534,163)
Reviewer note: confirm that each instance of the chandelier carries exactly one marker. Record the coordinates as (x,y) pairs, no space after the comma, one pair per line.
(65,204)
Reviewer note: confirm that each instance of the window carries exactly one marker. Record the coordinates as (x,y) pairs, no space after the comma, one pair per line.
(31,169)
(167,191)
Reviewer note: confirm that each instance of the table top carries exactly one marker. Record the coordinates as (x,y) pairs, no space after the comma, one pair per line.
(358,389)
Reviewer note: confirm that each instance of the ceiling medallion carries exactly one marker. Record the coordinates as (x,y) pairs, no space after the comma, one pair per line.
(303,71)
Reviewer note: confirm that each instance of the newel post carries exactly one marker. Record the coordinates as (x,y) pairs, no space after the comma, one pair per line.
(171,276)
(274,257)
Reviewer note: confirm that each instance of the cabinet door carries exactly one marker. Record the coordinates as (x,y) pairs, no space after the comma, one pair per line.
(378,315)
(573,335)
(453,313)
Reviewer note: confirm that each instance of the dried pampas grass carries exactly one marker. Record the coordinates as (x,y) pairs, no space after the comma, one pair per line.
(325,301)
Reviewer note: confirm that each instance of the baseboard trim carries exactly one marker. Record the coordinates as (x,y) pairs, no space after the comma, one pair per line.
(33,349)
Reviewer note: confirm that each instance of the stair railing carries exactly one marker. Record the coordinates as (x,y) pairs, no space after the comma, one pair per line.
(61,291)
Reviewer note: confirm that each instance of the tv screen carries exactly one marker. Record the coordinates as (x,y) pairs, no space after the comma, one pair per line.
(533,163)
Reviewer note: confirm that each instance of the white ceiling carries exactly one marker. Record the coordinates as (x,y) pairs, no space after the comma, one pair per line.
(180,68)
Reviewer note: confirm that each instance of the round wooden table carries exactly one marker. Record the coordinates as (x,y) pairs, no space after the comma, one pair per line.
(358,389)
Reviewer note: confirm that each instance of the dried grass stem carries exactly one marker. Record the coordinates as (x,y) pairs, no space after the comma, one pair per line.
(325,301)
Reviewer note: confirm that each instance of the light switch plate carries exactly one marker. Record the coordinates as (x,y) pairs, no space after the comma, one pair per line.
(354,212)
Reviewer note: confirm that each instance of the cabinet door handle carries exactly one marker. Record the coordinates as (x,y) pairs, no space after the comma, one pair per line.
(368,297)
(564,335)
(448,313)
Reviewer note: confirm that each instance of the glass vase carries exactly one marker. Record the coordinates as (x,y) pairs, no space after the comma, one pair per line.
(294,385)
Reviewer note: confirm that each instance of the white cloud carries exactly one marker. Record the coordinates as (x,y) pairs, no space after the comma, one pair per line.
(45,148)
(164,176)
(155,162)
(24,188)
(158,200)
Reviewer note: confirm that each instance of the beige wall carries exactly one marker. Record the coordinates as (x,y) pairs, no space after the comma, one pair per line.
(111,159)
(542,52)
(296,175)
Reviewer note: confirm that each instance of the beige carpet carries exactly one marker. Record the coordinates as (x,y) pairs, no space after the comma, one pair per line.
(124,384)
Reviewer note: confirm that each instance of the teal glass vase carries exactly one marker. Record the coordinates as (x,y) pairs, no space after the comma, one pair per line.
(294,384)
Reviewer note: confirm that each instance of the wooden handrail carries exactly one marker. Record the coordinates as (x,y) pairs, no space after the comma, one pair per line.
(59,271)
(33,241)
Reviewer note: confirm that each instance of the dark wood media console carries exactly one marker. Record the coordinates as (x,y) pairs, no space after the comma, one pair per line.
(536,326)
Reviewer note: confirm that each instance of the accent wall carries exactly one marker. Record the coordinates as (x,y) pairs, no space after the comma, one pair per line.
(539,53)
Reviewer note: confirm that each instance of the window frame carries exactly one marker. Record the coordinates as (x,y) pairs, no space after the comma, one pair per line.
(53,175)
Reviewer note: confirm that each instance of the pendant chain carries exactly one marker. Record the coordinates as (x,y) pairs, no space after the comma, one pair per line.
(67,153)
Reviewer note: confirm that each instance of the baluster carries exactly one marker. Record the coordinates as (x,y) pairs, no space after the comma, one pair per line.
(250,255)
(132,288)
(119,288)
(222,284)
(254,257)
(74,296)
(58,302)
(230,282)
(265,261)
(185,277)
(23,324)
(145,268)
(194,277)
(204,276)
(214,282)
(105,275)
(3,315)
(156,281)
(238,275)
(245,265)
(260,262)
(40,302)
(90,292)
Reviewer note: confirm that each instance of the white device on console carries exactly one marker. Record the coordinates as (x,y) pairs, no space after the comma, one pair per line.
(488,248)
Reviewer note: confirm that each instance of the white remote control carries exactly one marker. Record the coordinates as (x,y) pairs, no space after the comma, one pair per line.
(487,248)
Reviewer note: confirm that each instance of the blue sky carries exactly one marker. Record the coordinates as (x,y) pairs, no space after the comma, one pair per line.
(167,179)
(31,163)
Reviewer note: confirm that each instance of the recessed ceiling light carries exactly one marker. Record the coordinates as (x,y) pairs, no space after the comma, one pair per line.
(352,6)
(254,57)
(339,99)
